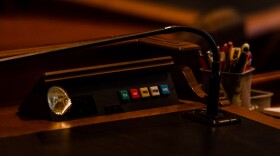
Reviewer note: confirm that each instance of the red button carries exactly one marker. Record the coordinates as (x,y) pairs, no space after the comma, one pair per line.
(134,93)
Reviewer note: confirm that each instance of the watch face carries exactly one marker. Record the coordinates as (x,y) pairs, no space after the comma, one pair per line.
(58,100)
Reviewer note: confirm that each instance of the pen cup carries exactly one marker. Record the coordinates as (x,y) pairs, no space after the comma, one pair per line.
(236,85)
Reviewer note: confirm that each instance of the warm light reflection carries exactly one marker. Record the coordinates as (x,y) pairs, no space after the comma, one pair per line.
(60,125)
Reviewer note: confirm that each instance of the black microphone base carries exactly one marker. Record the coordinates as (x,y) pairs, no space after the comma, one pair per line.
(223,117)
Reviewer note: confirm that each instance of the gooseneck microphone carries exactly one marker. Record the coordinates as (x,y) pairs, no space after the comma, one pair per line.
(214,85)
(212,115)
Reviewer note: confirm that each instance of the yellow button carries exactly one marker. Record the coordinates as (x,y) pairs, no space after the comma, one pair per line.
(144,92)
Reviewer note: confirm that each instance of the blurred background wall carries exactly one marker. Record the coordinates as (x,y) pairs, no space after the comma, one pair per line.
(32,23)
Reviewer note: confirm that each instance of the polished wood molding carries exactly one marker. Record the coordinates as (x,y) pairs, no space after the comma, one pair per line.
(266,77)
(37,31)
(34,50)
(254,115)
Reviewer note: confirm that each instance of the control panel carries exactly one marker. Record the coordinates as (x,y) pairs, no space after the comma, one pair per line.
(100,90)
(116,78)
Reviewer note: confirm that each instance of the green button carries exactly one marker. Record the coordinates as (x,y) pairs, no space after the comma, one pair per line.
(124,95)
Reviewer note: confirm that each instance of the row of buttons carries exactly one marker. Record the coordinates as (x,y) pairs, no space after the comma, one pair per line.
(144,92)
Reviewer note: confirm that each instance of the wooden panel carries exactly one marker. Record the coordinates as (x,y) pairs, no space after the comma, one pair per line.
(267,120)
(13,125)
(266,77)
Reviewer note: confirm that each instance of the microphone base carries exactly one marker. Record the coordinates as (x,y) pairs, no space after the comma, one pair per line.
(223,117)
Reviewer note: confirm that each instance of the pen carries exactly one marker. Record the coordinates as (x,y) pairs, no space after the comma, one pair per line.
(241,63)
(228,53)
(246,49)
(249,61)
(202,61)
(222,59)
(234,56)
(235,53)
(225,50)
(209,58)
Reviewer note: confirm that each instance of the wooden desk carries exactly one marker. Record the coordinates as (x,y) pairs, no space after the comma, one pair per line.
(13,125)
(18,126)
(156,133)
(31,30)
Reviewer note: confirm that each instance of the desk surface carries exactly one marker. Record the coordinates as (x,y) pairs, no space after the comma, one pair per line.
(165,134)
(12,125)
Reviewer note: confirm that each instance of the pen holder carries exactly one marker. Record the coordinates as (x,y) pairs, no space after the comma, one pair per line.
(236,85)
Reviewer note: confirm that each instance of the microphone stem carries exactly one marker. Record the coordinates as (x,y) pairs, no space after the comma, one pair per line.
(214,83)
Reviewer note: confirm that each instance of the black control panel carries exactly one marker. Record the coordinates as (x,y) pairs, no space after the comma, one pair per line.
(100,90)
(119,93)
(116,78)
